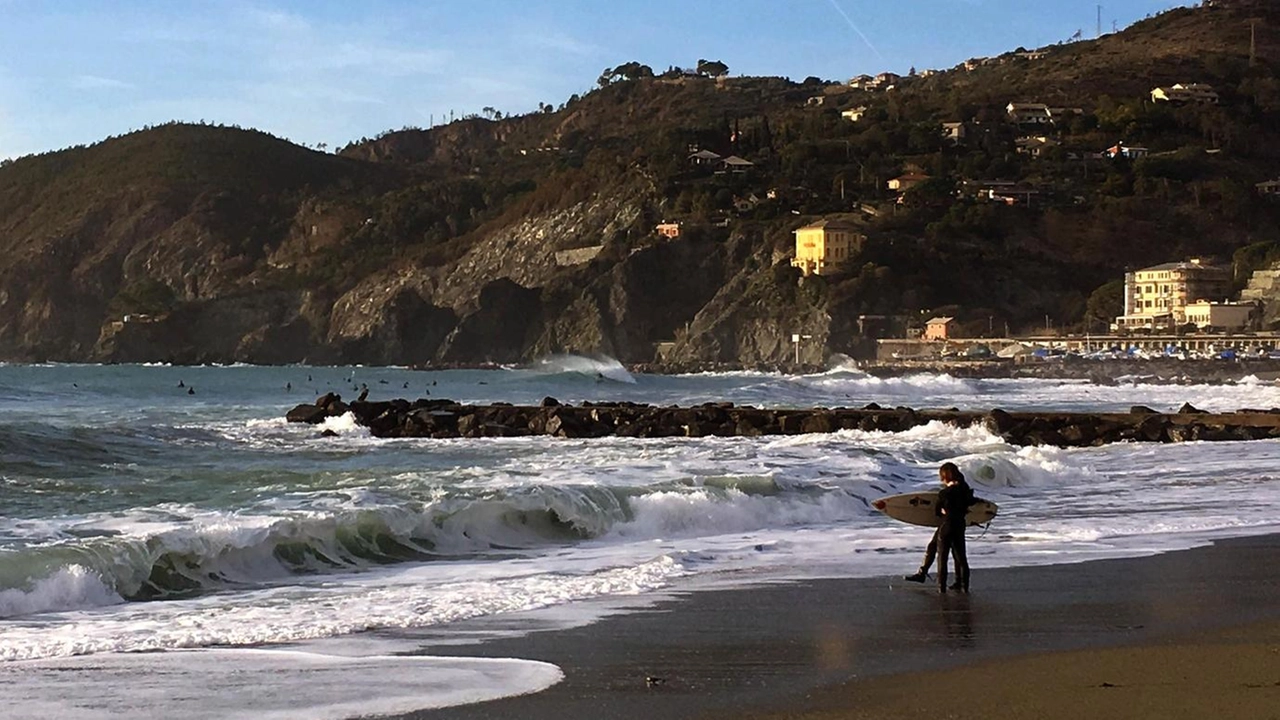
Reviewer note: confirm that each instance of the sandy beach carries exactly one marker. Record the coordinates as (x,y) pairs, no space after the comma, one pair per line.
(1191,634)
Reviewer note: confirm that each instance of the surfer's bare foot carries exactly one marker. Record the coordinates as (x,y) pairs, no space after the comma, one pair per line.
(918,577)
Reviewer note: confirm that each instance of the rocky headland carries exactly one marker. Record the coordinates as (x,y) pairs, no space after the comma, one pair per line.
(440,418)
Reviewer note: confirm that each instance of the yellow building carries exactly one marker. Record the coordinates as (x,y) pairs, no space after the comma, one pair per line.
(825,244)
(1158,296)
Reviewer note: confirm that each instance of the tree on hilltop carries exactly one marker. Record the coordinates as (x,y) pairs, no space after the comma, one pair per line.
(712,68)
(626,71)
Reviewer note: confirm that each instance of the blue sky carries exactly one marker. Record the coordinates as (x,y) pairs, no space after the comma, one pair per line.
(332,71)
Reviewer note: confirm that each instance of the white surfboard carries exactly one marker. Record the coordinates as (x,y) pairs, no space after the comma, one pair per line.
(917,508)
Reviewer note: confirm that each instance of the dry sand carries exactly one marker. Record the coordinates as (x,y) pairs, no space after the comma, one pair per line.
(1193,634)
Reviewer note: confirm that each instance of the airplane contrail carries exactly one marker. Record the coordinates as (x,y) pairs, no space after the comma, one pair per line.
(853,25)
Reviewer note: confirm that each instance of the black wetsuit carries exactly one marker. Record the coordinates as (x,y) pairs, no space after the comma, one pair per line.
(955,499)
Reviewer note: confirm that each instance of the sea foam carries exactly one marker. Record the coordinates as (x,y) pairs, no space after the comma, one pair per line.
(70,588)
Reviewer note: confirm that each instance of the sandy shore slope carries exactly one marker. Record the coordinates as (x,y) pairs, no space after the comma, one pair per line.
(1193,634)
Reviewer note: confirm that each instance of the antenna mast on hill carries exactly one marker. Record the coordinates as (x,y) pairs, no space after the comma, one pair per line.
(1098,34)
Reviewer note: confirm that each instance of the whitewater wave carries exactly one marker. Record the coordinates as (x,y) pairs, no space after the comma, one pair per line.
(598,368)
(169,552)
(183,553)
(305,611)
(74,587)
(850,380)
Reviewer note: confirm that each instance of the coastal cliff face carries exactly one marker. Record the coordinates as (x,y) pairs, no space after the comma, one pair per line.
(502,241)
(185,272)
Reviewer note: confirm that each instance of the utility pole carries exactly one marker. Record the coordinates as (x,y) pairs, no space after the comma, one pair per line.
(1098,34)
(1253,42)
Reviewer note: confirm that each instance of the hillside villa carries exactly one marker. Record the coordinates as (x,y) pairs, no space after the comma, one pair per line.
(1039,113)
(704,157)
(906,181)
(1035,145)
(1028,113)
(854,114)
(861,82)
(1126,151)
(1186,93)
(825,244)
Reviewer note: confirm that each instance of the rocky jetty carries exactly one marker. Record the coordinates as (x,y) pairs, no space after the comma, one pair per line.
(439,418)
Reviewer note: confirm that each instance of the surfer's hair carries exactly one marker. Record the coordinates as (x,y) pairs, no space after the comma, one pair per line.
(950,471)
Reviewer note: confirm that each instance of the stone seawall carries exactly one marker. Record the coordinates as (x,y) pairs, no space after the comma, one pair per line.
(434,418)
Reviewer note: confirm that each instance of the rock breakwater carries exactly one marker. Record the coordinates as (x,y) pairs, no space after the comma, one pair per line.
(439,418)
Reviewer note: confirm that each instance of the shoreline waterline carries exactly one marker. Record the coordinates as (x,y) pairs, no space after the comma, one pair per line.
(867,648)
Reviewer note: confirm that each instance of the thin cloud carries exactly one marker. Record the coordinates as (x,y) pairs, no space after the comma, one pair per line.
(559,42)
(854,25)
(97,82)
(280,20)
(361,56)
(320,92)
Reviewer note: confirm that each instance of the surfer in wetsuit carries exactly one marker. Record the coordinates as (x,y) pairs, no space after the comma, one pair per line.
(946,471)
(930,551)
(953,504)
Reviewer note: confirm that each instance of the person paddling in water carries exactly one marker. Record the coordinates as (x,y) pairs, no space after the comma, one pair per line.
(952,505)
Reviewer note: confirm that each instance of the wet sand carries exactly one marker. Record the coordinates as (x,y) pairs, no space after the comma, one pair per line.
(1191,634)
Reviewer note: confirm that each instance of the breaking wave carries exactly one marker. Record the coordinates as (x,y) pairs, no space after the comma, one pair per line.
(600,368)
(142,561)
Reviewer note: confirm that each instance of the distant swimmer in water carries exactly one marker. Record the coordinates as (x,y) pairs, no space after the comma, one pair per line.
(363,394)
(180,384)
(288,387)
(191,391)
(406,385)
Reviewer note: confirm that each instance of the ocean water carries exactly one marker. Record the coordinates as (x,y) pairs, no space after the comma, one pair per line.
(170,546)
